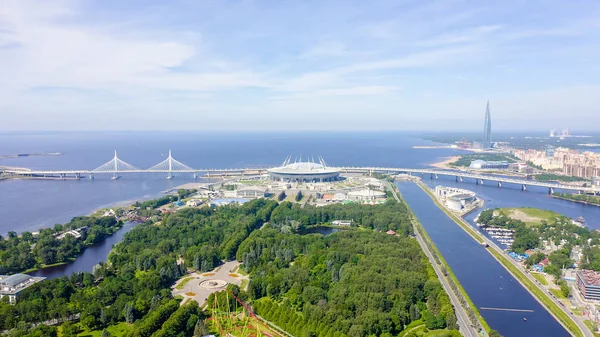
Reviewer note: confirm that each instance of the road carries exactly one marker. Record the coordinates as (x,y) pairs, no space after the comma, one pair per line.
(492,245)
(464,324)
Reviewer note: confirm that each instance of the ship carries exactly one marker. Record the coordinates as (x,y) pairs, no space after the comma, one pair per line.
(580,219)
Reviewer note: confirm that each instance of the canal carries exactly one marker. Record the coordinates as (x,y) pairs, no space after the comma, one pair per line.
(487,283)
(89,258)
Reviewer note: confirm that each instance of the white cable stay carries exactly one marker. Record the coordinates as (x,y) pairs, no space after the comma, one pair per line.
(171,165)
(115,165)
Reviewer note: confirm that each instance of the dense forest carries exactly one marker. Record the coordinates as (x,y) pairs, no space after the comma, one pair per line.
(354,283)
(19,253)
(390,215)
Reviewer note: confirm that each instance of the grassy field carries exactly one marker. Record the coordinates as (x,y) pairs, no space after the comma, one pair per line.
(530,216)
(557,292)
(540,277)
(244,284)
(183,282)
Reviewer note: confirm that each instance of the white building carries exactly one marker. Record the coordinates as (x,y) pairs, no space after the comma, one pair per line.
(12,285)
(251,192)
(366,194)
(194,203)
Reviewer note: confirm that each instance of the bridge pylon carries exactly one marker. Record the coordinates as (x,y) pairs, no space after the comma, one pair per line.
(115,166)
(170,165)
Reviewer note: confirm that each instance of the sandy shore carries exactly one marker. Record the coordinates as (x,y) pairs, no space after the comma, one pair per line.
(444,164)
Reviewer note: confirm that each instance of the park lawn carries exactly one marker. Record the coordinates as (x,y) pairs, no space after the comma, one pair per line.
(414,325)
(244,284)
(530,216)
(540,277)
(183,282)
(557,292)
(119,330)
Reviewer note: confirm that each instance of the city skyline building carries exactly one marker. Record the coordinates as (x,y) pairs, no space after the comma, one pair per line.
(487,128)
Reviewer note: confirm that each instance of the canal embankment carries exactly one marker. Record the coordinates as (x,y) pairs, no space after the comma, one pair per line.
(568,321)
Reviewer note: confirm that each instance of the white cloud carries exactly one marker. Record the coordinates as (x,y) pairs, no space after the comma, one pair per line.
(260,63)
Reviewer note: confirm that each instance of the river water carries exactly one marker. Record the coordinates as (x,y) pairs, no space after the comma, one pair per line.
(483,278)
(90,256)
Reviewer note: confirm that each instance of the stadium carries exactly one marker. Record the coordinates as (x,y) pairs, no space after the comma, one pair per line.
(310,172)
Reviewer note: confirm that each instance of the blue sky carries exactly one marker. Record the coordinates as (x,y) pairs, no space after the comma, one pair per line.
(299,65)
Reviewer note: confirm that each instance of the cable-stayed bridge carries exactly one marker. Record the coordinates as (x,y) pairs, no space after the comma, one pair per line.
(170,165)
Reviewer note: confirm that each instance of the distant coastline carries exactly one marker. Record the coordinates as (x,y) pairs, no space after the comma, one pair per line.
(24,155)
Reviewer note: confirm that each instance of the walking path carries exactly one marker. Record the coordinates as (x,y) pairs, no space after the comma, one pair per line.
(200,287)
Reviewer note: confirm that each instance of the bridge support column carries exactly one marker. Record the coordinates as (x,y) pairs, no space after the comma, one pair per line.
(195,176)
(551,190)
(77,176)
(436,176)
(431,176)
(91,176)
(499,184)
(523,187)
(480,181)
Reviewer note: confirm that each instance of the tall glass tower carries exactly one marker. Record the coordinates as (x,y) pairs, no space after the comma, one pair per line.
(487,128)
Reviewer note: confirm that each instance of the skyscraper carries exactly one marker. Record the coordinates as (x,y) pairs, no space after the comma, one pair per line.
(487,128)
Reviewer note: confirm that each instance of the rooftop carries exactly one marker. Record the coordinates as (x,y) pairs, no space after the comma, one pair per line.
(590,277)
(13,280)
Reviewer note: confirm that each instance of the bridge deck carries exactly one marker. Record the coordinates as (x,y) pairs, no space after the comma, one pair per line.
(462,174)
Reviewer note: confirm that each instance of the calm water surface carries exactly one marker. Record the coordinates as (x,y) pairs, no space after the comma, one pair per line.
(483,278)
(90,256)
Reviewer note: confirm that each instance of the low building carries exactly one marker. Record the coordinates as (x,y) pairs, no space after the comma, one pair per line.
(12,285)
(519,167)
(342,222)
(390,232)
(76,234)
(366,194)
(194,202)
(489,165)
(588,283)
(227,201)
(455,198)
(251,192)
(339,196)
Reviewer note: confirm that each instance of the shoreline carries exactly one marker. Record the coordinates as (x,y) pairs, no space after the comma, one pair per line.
(575,201)
(444,164)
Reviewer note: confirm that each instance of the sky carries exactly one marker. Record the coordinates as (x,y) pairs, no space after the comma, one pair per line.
(299,65)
